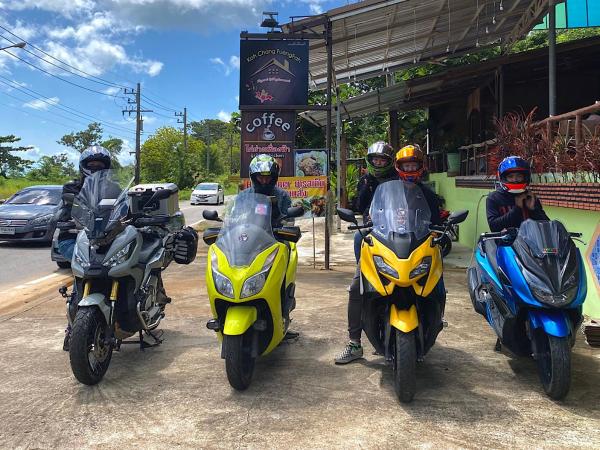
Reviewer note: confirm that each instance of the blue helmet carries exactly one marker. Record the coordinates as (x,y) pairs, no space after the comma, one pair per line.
(512,164)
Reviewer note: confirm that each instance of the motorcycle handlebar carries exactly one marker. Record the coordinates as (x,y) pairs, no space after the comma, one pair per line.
(360,227)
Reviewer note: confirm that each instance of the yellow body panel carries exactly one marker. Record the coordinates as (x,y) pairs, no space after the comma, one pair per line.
(402,266)
(271,291)
(239,319)
(404,320)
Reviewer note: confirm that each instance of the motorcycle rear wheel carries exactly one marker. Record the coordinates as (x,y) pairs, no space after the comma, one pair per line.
(554,364)
(405,362)
(88,353)
(239,363)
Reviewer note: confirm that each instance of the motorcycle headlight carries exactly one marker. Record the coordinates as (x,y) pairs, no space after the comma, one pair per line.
(118,258)
(541,292)
(384,267)
(223,284)
(422,268)
(80,258)
(42,220)
(255,283)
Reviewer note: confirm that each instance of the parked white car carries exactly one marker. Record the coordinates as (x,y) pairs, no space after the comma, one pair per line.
(211,193)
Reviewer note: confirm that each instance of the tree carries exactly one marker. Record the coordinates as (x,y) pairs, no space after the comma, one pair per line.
(9,163)
(55,167)
(93,135)
(165,159)
(209,130)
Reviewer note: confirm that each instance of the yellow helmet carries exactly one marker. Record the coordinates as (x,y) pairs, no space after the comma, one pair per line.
(410,153)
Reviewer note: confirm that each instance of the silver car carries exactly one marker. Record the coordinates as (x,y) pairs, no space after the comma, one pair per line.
(28,216)
(209,193)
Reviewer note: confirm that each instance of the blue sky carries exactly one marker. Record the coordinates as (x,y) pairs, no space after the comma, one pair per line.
(184,52)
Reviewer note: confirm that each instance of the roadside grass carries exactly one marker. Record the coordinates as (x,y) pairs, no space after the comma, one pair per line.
(8,187)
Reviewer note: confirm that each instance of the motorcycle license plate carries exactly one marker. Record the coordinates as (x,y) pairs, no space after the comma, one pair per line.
(7,230)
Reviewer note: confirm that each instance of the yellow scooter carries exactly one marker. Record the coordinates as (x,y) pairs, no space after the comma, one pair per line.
(401,268)
(250,277)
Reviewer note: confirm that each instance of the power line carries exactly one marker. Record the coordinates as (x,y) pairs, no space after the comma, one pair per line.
(88,77)
(101,80)
(70,119)
(60,78)
(157,105)
(65,108)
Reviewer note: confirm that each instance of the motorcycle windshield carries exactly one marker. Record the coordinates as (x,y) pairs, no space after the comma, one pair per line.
(400,207)
(247,229)
(546,250)
(101,204)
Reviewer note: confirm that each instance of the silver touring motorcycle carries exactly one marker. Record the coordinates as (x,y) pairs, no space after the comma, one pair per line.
(127,238)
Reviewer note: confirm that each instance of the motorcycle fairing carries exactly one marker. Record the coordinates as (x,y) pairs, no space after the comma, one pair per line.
(402,266)
(554,322)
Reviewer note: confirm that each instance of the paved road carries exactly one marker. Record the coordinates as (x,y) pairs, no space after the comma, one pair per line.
(22,263)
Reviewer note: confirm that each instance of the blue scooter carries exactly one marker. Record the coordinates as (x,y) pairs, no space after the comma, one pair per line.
(530,285)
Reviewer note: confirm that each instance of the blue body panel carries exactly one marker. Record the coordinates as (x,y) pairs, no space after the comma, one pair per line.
(554,322)
(517,296)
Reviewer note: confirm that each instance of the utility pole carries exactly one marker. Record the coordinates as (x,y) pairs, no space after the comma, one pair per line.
(139,124)
(207,148)
(184,122)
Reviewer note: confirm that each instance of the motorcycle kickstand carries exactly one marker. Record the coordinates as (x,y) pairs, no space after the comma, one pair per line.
(498,346)
(144,344)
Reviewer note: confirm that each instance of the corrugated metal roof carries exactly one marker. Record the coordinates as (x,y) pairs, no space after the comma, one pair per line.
(453,82)
(374,37)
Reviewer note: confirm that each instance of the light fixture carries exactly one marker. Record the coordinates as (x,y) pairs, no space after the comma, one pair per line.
(269,20)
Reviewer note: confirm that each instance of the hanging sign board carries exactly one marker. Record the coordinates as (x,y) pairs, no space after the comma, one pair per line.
(273,72)
(269,132)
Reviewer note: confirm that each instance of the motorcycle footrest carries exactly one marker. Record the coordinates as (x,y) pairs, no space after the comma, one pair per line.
(213,324)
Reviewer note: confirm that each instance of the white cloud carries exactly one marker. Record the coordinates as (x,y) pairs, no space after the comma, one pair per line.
(234,61)
(224,116)
(112,90)
(65,7)
(234,64)
(41,104)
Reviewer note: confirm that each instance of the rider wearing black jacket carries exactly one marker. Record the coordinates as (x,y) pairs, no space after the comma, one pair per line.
(409,165)
(512,203)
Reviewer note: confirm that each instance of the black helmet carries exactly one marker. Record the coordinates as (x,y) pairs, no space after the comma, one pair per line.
(264,165)
(93,153)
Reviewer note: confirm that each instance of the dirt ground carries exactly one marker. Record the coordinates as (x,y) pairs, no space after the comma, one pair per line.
(177,395)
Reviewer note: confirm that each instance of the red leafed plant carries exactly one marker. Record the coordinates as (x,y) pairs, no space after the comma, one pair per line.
(554,154)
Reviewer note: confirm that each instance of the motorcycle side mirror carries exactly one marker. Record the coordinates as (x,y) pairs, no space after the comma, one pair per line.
(211,215)
(458,217)
(347,215)
(295,211)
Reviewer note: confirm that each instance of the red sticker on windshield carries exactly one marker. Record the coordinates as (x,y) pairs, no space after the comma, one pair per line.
(261,209)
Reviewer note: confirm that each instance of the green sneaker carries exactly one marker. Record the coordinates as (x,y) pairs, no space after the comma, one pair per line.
(351,352)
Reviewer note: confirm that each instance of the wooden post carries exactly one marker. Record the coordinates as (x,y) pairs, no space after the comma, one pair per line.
(578,134)
(343,171)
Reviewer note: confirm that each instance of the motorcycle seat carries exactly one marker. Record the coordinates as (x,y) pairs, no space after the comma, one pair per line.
(149,246)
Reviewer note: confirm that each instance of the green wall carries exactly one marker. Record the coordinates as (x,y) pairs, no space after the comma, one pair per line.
(576,220)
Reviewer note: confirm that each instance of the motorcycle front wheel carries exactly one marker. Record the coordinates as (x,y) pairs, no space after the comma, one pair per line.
(239,363)
(88,351)
(554,364)
(405,361)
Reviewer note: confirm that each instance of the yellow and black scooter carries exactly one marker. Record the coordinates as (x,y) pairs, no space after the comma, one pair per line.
(250,278)
(400,271)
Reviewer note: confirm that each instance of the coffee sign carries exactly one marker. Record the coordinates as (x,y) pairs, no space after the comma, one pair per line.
(269,132)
